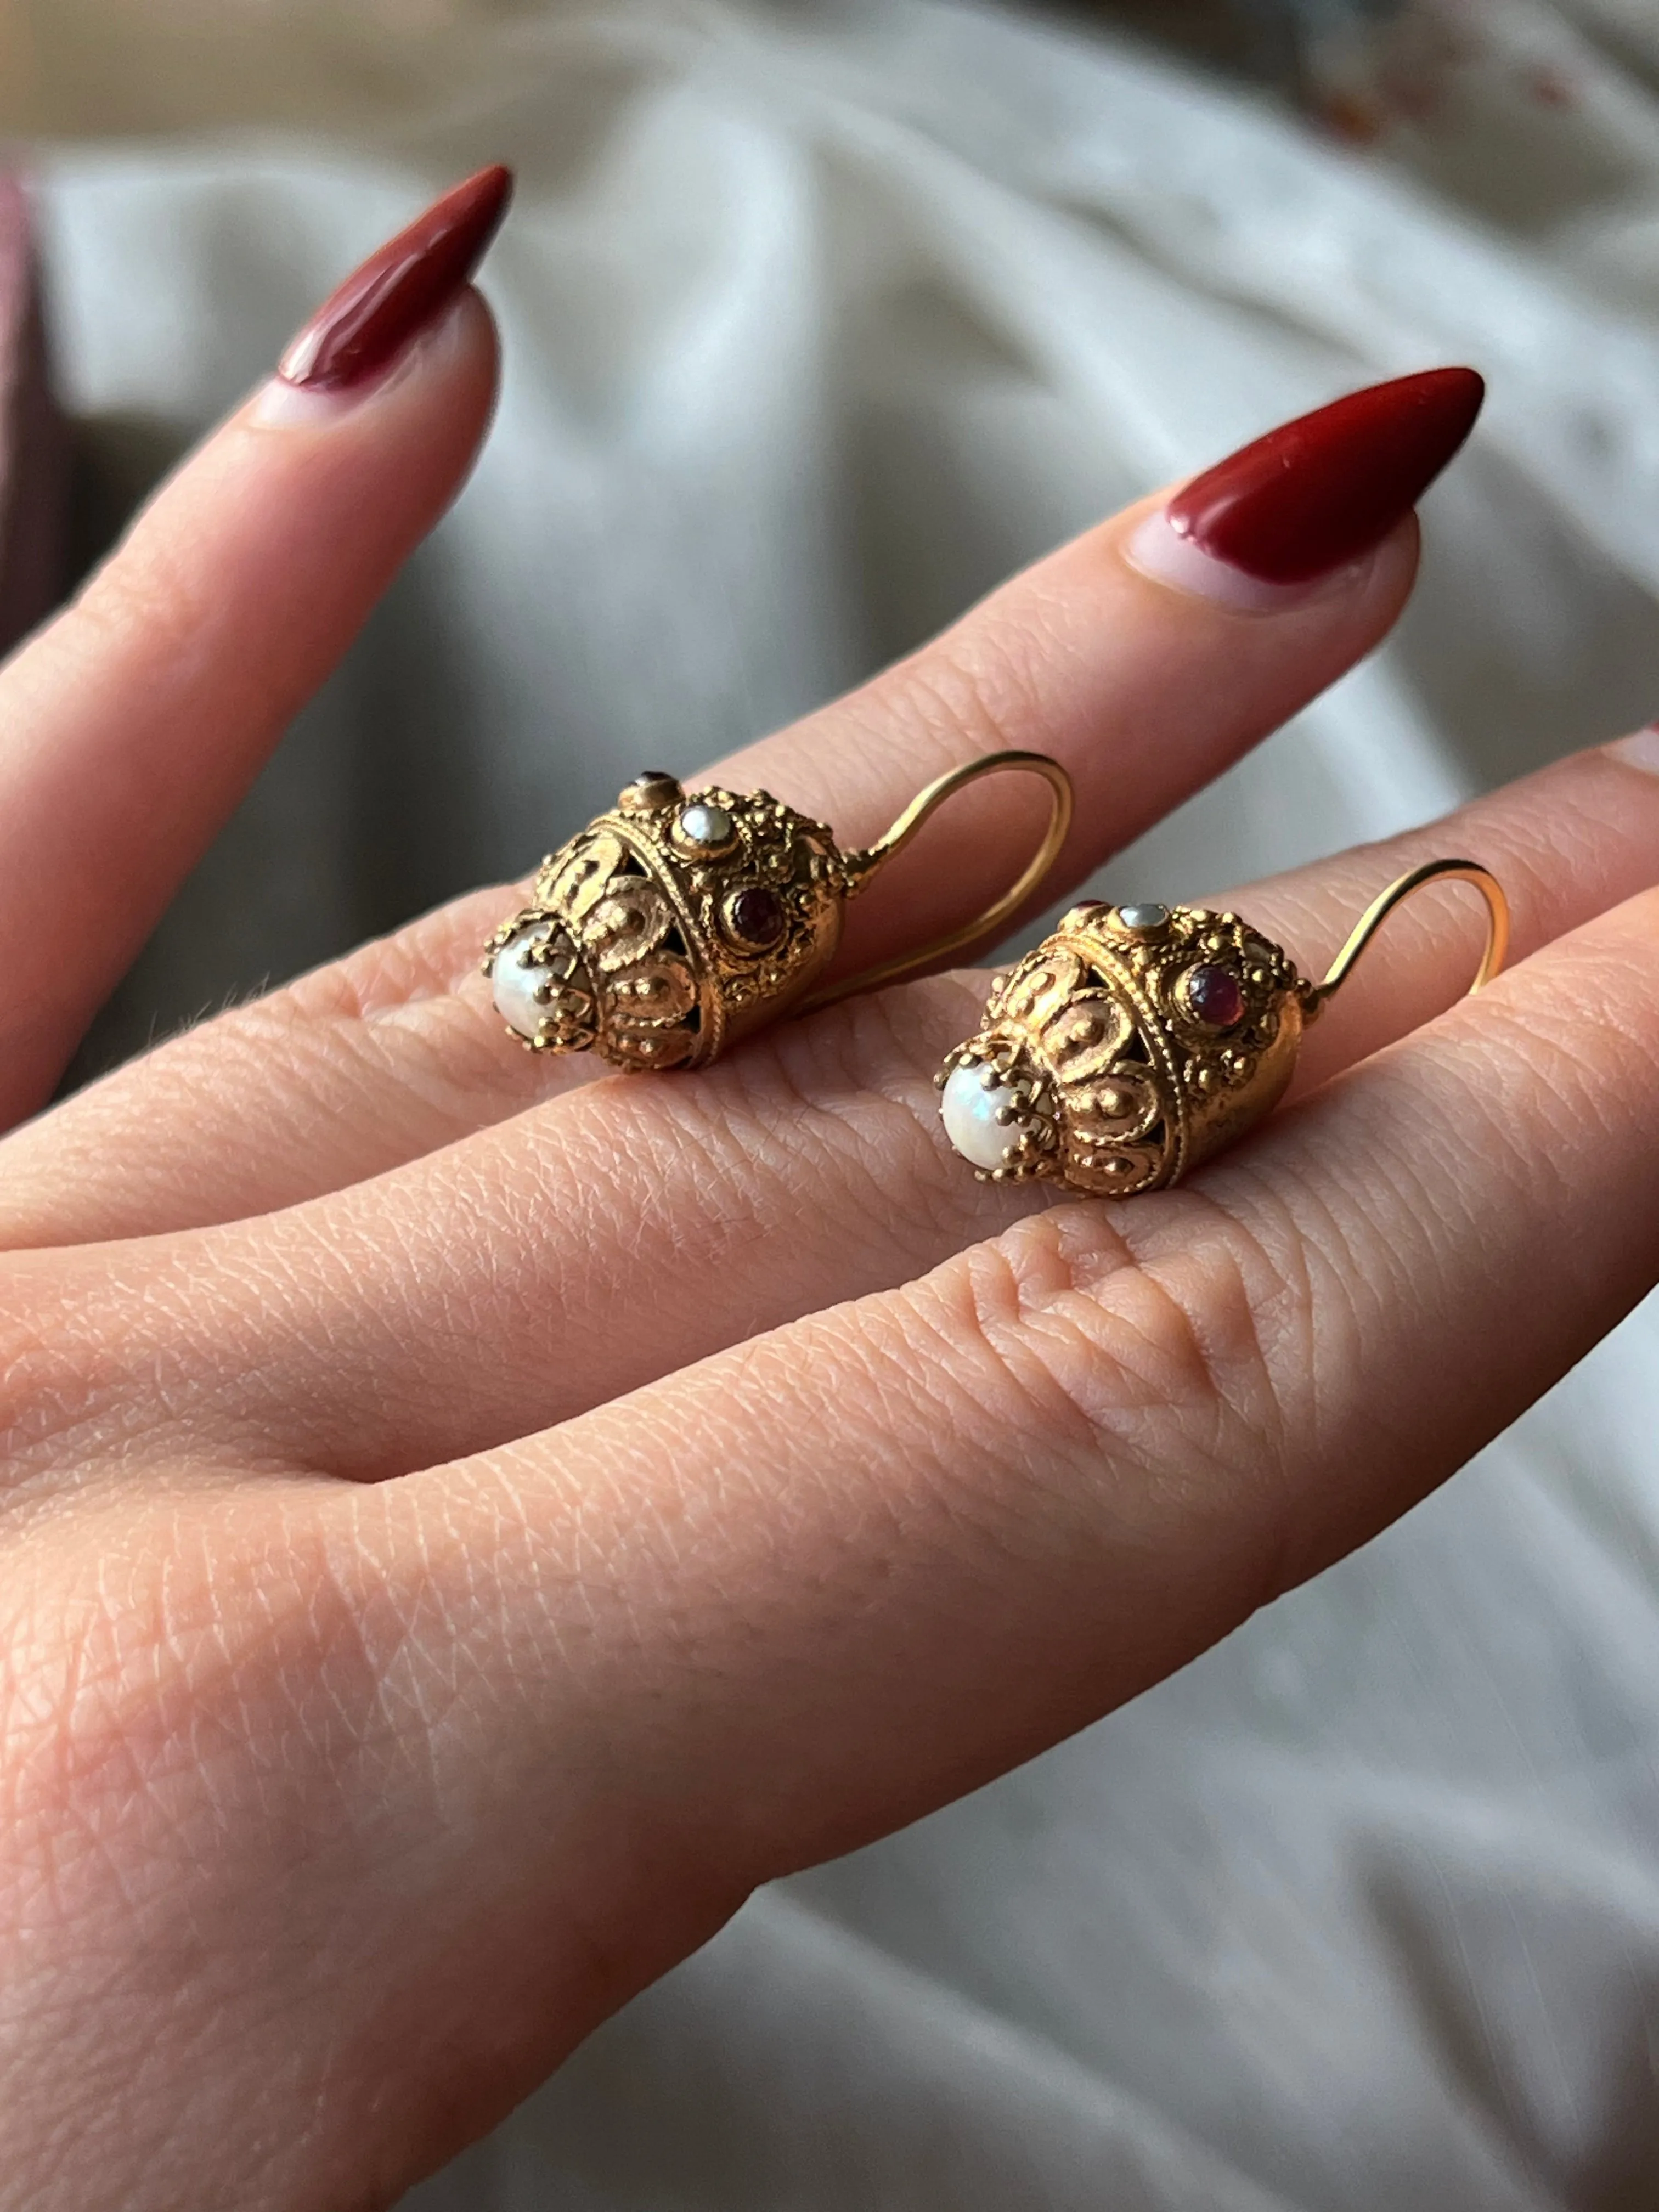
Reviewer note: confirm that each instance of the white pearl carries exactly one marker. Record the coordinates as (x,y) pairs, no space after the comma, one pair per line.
(704,823)
(969,1112)
(514,982)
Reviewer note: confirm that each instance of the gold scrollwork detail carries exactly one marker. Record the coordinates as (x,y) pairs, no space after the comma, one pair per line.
(651,993)
(1124,1108)
(575,877)
(1037,989)
(1085,1035)
(631,920)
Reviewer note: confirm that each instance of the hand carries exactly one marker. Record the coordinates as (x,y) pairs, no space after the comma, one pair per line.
(465,1523)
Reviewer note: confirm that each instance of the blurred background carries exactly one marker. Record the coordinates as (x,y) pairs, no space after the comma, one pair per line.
(820,318)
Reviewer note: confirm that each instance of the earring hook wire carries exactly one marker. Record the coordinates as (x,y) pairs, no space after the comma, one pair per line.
(1469,872)
(863,867)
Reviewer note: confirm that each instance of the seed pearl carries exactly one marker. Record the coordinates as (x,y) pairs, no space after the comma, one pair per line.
(704,823)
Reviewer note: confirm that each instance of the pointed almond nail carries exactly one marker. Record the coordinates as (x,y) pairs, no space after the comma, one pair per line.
(399,291)
(1313,498)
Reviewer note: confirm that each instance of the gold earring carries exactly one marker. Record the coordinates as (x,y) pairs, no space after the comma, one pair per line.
(1138,1040)
(676,924)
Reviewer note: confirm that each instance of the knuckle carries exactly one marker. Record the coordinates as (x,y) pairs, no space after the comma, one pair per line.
(1164,1337)
(1167,1358)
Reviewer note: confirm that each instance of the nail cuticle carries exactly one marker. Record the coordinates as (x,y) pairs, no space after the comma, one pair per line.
(281,405)
(1155,550)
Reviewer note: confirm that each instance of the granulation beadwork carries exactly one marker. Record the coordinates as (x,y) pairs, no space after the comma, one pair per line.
(674,925)
(1138,1040)
(1133,1044)
(670,926)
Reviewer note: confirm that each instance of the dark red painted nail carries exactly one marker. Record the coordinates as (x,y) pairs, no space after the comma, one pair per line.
(401,290)
(1319,492)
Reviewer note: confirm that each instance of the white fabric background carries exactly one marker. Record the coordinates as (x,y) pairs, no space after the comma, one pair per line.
(817,324)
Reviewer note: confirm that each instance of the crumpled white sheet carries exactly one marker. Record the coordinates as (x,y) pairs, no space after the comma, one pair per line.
(818,322)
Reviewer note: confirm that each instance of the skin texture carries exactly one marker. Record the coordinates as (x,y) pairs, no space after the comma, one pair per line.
(451,1551)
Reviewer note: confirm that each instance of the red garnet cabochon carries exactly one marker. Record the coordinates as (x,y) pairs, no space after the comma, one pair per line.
(1215,995)
(756,914)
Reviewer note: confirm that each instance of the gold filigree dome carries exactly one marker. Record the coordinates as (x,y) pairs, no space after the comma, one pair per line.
(669,926)
(1111,1069)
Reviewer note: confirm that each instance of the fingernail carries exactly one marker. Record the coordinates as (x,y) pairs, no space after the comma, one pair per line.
(399,292)
(1284,517)
(1640,750)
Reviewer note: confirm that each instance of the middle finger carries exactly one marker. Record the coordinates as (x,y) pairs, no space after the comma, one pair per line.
(1144,665)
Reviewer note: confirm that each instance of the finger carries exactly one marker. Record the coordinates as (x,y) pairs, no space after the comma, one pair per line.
(1146,656)
(810,1588)
(1565,844)
(476,1294)
(1144,687)
(130,727)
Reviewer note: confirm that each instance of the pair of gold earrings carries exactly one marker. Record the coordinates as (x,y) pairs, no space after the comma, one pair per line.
(1135,1042)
